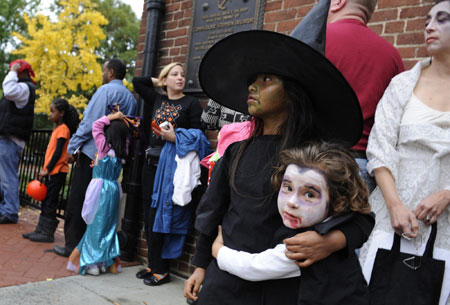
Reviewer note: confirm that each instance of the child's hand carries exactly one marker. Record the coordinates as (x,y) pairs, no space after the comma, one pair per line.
(43,173)
(116,116)
(218,243)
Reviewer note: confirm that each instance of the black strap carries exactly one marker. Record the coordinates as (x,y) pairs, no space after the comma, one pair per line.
(430,243)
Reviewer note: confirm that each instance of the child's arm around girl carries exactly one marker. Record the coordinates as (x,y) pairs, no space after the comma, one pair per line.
(254,266)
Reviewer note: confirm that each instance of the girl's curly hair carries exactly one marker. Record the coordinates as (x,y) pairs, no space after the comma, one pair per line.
(347,190)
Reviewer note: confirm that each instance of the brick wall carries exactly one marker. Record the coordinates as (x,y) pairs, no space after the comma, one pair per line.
(401,22)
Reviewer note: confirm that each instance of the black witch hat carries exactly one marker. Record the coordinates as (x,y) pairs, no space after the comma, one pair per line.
(228,66)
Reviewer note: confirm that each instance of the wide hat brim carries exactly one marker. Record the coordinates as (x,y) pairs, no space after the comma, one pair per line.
(228,66)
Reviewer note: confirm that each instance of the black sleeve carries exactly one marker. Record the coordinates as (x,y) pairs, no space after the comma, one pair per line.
(203,256)
(144,87)
(56,154)
(357,232)
(195,113)
(216,200)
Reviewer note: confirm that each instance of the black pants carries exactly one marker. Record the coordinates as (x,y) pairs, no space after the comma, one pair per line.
(54,183)
(74,225)
(154,239)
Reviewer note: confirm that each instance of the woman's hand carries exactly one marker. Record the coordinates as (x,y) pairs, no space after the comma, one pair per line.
(432,207)
(156,82)
(218,243)
(193,283)
(309,247)
(403,220)
(168,133)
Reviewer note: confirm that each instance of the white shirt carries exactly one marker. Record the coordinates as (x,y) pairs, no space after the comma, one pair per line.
(271,264)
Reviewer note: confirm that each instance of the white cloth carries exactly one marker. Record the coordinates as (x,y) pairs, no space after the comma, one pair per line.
(186,178)
(271,264)
(17,92)
(417,152)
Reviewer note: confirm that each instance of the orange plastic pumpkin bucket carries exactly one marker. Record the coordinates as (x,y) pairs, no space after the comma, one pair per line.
(36,190)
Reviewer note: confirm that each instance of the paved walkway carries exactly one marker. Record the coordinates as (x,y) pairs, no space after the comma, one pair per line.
(30,273)
(106,289)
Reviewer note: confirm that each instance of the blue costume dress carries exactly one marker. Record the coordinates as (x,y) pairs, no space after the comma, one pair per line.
(100,243)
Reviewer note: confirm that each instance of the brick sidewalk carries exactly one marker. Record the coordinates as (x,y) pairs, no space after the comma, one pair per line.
(23,261)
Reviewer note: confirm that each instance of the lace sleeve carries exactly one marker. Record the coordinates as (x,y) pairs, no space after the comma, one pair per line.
(383,139)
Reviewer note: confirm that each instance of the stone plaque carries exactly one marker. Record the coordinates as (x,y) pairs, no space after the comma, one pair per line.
(213,20)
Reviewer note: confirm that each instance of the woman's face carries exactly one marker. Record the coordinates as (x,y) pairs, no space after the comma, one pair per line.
(267,96)
(437,29)
(175,79)
(303,197)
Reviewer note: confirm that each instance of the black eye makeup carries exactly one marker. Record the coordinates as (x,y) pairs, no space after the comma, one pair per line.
(443,17)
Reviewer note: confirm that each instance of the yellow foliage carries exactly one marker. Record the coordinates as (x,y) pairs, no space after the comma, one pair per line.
(128,85)
(62,53)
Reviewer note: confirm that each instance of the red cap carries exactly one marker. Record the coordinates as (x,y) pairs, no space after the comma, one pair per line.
(23,66)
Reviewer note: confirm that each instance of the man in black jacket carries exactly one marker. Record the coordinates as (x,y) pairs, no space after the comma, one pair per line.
(16,121)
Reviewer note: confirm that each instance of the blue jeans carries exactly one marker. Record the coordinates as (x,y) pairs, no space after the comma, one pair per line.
(369,180)
(9,181)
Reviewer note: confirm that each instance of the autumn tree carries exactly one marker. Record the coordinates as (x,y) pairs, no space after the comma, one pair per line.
(63,53)
(122,32)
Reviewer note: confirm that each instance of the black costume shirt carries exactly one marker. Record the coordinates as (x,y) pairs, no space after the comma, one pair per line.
(249,220)
(183,113)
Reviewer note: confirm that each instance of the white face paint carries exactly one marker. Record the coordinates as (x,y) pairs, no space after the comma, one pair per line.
(303,197)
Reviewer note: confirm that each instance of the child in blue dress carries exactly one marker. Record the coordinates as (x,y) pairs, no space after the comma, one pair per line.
(99,247)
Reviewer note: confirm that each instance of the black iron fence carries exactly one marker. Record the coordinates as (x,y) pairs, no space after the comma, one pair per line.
(30,165)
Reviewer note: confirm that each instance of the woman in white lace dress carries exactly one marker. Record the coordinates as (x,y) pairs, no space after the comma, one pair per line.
(409,153)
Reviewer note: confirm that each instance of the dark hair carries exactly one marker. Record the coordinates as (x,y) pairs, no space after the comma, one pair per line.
(116,135)
(119,67)
(299,126)
(347,190)
(439,1)
(71,117)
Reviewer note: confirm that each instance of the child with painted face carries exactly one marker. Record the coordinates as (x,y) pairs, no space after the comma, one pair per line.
(319,189)
(295,96)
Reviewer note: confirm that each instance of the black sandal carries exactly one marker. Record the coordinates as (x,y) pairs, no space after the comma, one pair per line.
(145,273)
(156,279)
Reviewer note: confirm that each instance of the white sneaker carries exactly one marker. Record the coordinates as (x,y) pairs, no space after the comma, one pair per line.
(93,270)
(102,269)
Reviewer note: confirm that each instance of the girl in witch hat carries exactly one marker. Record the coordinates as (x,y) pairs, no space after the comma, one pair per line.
(295,95)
